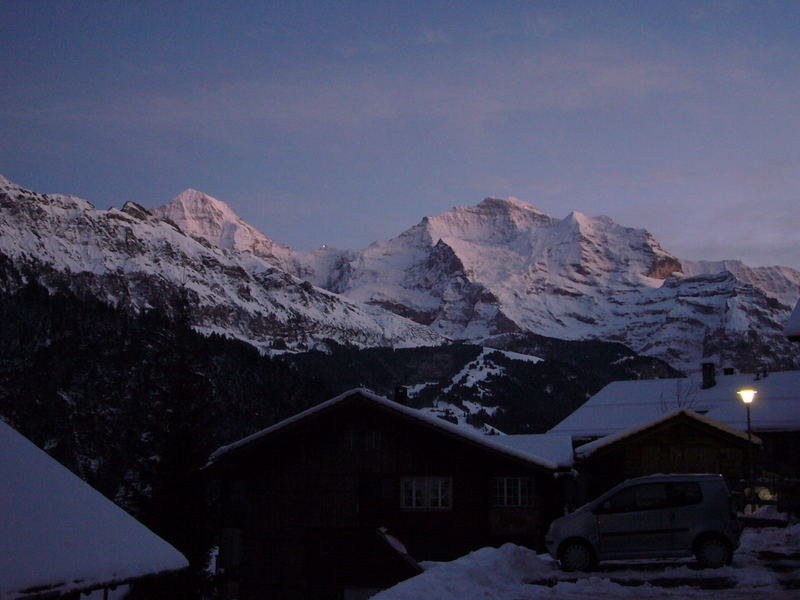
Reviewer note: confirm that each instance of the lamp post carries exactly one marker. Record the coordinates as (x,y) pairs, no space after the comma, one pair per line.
(747,397)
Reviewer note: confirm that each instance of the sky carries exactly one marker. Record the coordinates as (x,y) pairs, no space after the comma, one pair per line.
(342,123)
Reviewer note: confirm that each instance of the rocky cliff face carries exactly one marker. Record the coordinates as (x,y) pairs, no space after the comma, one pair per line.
(131,258)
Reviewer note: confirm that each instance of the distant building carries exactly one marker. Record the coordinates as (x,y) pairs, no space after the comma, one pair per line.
(310,504)
(681,441)
(60,537)
(625,405)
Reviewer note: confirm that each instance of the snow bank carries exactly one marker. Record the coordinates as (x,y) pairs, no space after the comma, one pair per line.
(516,573)
(485,573)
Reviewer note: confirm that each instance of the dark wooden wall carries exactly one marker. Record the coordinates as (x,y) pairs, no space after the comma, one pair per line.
(681,445)
(341,471)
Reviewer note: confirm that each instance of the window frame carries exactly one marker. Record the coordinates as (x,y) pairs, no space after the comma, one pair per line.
(426,493)
(521,487)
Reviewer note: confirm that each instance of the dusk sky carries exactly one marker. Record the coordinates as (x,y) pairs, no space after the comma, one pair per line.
(347,122)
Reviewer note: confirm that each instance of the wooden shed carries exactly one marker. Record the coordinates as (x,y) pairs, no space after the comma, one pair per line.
(303,500)
(682,441)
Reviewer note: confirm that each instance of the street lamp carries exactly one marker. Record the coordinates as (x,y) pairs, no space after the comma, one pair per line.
(747,396)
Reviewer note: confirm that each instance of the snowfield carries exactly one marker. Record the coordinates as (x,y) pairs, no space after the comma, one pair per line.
(767,565)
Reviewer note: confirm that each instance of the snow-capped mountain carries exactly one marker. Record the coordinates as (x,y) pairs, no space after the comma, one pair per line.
(206,217)
(131,258)
(504,266)
(470,273)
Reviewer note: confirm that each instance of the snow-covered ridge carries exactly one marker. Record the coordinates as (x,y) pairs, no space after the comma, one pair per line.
(132,258)
(505,266)
(502,266)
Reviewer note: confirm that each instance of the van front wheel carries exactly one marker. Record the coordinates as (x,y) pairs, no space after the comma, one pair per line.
(576,556)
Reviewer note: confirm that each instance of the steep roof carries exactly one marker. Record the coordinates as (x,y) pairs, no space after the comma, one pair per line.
(622,405)
(586,450)
(58,534)
(486,441)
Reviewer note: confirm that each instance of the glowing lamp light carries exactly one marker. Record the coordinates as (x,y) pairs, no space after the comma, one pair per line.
(747,395)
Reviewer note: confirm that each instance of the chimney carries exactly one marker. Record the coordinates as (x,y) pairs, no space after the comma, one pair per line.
(401,395)
(709,376)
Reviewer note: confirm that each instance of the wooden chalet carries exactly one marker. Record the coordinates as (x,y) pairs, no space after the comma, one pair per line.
(335,502)
(682,441)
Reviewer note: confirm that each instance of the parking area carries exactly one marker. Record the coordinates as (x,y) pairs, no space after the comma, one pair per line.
(768,560)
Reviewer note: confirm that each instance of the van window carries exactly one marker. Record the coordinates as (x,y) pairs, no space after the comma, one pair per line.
(647,496)
(684,493)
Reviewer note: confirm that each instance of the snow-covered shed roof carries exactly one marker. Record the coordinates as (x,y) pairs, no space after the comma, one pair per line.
(554,447)
(622,405)
(587,450)
(488,441)
(791,328)
(58,534)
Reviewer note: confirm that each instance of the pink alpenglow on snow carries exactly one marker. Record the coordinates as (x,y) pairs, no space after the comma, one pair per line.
(58,534)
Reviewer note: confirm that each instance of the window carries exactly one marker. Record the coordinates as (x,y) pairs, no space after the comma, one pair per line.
(684,493)
(427,493)
(637,497)
(513,491)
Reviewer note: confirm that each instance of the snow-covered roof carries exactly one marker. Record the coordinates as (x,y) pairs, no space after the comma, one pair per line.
(622,405)
(555,447)
(792,327)
(59,534)
(588,449)
(488,441)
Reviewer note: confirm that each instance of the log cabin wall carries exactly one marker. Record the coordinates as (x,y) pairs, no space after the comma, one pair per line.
(352,468)
(680,445)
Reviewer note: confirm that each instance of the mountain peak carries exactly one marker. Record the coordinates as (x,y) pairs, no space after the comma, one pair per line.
(509,203)
(204,216)
(194,201)
(7,183)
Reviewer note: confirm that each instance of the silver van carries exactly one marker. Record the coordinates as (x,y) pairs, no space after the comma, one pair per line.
(658,516)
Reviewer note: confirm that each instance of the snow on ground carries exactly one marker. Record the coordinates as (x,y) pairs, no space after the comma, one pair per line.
(765,566)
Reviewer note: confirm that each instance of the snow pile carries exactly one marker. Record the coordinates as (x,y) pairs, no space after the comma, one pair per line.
(773,539)
(515,573)
(485,573)
(58,533)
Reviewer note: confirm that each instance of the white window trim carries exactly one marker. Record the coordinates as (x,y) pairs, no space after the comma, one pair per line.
(505,496)
(426,493)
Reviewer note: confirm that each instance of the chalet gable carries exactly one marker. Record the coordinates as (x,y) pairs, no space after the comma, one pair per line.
(685,417)
(403,413)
